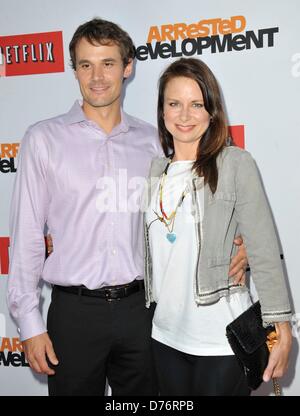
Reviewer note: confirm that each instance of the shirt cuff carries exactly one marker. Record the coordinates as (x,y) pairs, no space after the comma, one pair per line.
(31,325)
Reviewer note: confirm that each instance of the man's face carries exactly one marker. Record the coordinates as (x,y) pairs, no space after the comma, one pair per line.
(100,72)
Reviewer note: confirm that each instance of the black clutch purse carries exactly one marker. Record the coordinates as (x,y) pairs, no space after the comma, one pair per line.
(248,340)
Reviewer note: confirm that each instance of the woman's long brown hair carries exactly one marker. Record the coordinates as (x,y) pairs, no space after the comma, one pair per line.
(215,137)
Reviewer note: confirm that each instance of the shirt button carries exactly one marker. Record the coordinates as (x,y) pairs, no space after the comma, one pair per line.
(113,251)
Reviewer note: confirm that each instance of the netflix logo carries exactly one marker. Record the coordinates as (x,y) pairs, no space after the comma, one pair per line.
(37,53)
(237,133)
(4,255)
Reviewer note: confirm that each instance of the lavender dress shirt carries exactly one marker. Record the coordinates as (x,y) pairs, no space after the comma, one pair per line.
(85,186)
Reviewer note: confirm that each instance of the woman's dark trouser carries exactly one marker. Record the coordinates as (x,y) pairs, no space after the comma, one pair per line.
(181,374)
(95,339)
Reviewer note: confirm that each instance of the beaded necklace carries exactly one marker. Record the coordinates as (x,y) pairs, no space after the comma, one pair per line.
(168,220)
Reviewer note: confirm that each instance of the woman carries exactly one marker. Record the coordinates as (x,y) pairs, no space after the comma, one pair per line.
(202,195)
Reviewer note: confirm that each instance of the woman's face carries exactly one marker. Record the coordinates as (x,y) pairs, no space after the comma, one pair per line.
(184,113)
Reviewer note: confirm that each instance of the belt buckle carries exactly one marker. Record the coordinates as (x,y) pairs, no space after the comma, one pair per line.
(108,297)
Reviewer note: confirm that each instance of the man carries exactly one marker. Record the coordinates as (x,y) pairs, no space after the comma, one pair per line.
(74,176)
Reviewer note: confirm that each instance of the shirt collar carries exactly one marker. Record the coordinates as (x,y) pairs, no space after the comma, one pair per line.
(76,115)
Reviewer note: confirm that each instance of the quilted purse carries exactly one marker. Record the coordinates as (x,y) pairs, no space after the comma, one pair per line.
(249,341)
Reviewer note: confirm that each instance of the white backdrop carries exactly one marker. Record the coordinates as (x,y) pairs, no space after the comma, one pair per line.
(258,69)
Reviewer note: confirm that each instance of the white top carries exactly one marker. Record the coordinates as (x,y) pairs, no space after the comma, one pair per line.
(178,322)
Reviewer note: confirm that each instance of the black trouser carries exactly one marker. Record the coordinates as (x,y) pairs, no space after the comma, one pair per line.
(95,339)
(191,375)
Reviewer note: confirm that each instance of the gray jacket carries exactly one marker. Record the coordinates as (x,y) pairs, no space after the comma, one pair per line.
(238,207)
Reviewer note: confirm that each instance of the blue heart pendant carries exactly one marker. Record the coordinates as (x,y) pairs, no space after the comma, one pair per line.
(171,237)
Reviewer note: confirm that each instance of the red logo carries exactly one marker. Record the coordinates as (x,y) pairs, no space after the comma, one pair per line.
(4,254)
(37,53)
(4,260)
(237,133)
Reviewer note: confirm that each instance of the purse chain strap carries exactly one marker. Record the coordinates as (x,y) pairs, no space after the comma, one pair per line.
(276,387)
(271,340)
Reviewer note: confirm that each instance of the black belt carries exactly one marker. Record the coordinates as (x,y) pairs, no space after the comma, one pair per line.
(109,292)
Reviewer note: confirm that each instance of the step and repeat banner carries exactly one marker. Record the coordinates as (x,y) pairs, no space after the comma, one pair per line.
(252,47)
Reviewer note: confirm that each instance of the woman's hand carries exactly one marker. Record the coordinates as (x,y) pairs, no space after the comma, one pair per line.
(279,356)
(49,244)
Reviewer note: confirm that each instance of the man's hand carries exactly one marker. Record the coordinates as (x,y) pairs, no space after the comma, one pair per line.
(279,356)
(36,350)
(239,263)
